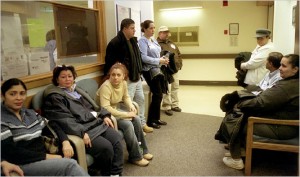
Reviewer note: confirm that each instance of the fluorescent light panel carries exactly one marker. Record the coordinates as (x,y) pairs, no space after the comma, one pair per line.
(182,8)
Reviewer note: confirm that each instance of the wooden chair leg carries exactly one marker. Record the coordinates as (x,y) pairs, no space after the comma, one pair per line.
(248,161)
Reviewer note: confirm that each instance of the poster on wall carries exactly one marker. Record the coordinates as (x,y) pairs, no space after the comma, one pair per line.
(136,17)
(14,64)
(122,13)
(39,62)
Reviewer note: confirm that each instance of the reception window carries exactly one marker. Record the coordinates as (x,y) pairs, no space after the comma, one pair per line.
(37,36)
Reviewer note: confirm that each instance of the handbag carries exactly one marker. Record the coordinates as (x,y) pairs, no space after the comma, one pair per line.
(154,72)
(51,141)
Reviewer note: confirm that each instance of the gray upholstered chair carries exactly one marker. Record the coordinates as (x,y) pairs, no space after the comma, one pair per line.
(90,86)
(83,159)
(258,142)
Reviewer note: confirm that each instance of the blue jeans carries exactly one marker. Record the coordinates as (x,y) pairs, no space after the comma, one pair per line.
(54,167)
(133,134)
(135,91)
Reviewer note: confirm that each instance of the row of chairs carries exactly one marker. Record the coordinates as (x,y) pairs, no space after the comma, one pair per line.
(90,86)
(252,142)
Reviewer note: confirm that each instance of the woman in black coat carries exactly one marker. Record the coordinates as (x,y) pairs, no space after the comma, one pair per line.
(79,115)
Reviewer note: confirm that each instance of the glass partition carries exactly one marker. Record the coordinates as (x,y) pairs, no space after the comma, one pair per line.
(36,36)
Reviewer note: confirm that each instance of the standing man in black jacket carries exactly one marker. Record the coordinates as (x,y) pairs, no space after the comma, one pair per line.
(124,49)
(170,101)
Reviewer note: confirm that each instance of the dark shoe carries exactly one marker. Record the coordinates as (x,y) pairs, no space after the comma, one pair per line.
(160,122)
(176,109)
(154,125)
(169,112)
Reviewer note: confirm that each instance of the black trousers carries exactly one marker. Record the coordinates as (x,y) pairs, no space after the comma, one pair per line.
(157,94)
(107,151)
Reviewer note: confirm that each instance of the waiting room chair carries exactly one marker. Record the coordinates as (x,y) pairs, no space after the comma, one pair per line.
(83,159)
(257,142)
(147,96)
(90,86)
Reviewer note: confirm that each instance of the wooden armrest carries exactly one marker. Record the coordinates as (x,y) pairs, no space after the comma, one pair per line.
(80,150)
(136,107)
(262,120)
(114,120)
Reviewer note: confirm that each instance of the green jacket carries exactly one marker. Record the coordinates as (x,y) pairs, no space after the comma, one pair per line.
(172,47)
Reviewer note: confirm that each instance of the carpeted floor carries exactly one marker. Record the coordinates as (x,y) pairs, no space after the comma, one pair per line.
(186,147)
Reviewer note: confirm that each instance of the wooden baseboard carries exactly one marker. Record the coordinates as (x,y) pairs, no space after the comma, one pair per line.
(208,83)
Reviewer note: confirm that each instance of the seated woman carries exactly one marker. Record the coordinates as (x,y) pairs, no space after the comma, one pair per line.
(278,102)
(79,115)
(114,91)
(21,140)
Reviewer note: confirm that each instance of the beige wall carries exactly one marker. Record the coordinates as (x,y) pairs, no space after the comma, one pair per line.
(208,70)
(212,20)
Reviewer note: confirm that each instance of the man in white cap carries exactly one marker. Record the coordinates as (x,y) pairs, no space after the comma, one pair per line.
(255,66)
(170,101)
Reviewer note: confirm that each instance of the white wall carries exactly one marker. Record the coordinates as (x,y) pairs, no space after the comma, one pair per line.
(284,31)
(146,8)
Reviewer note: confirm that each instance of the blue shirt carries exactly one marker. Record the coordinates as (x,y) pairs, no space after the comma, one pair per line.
(150,51)
(270,79)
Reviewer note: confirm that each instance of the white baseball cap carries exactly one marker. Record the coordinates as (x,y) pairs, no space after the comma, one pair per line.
(163,28)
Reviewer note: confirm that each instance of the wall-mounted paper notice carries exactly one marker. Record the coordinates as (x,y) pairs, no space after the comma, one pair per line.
(39,62)
(14,65)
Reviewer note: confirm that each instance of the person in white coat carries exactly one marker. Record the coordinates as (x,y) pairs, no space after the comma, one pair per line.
(255,66)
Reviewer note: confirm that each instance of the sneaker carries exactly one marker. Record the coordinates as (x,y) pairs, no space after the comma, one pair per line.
(176,109)
(236,164)
(148,156)
(147,129)
(169,112)
(141,163)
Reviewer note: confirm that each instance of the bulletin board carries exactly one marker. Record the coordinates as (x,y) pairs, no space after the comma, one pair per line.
(122,13)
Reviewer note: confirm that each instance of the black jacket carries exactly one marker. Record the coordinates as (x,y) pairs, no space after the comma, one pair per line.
(74,115)
(241,74)
(118,51)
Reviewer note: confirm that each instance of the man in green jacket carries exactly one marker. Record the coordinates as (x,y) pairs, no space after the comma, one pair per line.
(170,101)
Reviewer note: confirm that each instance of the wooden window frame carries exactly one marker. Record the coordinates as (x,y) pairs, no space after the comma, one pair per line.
(43,79)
